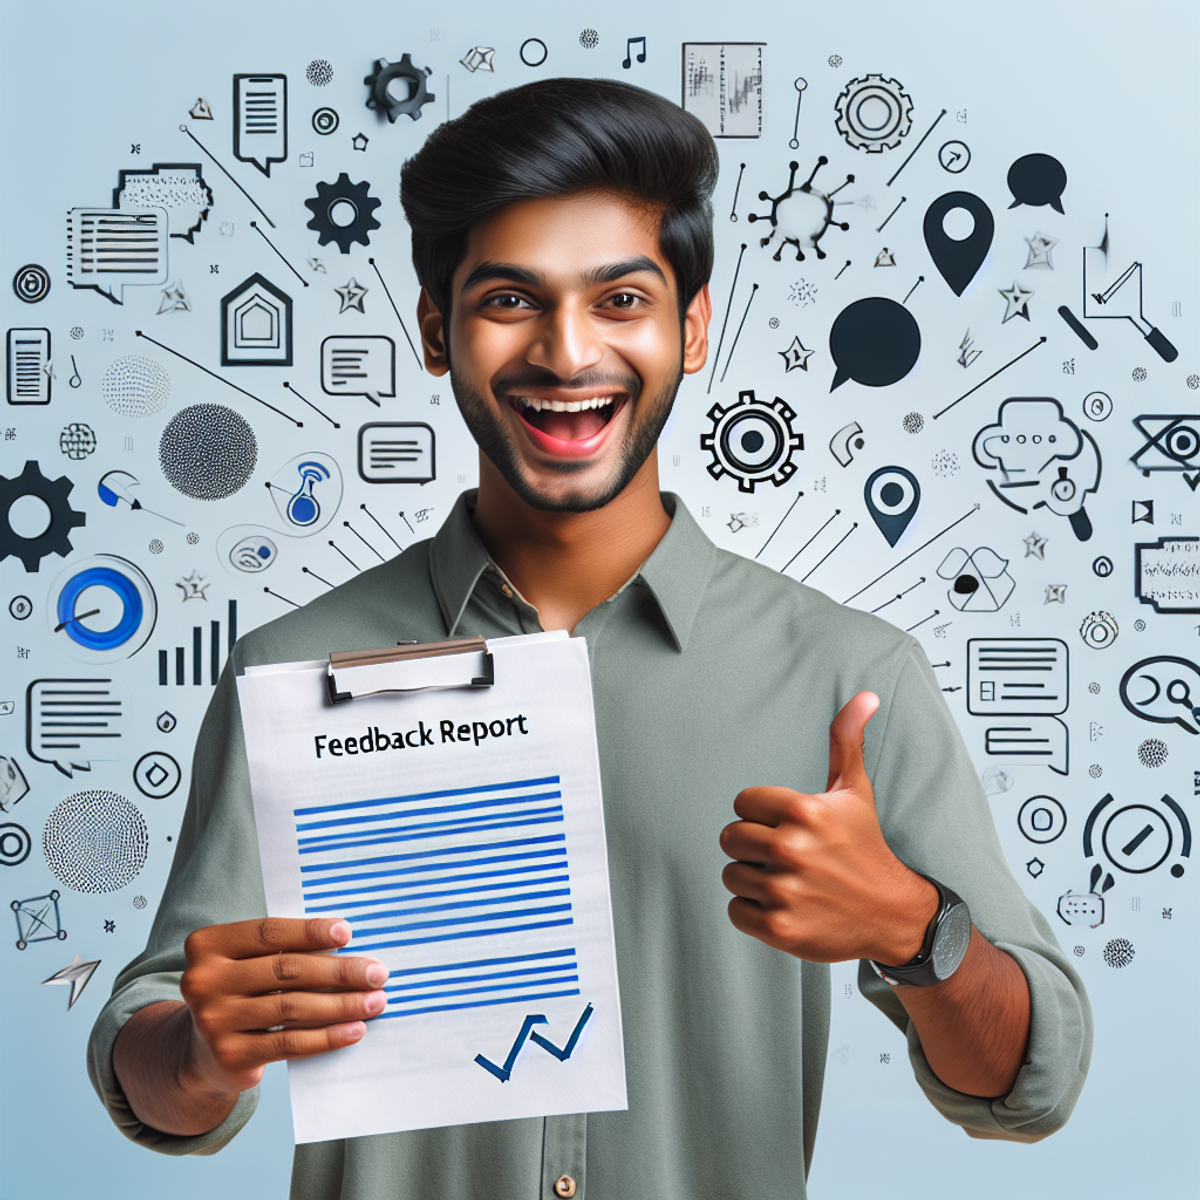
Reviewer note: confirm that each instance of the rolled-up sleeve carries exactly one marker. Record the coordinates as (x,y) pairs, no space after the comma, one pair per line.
(215,878)
(937,819)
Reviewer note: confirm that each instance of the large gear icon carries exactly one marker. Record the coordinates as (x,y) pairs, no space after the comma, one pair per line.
(752,441)
(56,537)
(415,88)
(874,114)
(342,212)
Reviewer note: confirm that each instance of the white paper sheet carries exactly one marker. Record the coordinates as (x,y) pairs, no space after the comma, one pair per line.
(472,862)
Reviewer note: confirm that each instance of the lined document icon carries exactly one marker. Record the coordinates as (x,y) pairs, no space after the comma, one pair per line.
(396,452)
(1016,676)
(447,866)
(260,119)
(28,356)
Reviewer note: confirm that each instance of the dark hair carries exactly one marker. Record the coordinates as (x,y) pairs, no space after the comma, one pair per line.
(557,137)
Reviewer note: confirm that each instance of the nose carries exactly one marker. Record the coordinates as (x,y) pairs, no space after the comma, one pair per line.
(565,343)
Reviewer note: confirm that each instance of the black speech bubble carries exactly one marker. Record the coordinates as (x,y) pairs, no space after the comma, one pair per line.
(1037,179)
(875,342)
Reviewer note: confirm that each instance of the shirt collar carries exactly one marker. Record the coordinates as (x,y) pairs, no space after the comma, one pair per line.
(675,574)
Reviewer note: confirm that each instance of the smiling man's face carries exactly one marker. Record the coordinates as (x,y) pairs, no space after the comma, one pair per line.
(566,347)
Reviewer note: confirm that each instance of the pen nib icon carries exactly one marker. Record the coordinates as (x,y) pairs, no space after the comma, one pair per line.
(77,973)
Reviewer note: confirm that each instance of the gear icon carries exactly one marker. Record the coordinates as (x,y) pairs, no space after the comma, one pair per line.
(752,441)
(56,537)
(385,84)
(343,212)
(874,114)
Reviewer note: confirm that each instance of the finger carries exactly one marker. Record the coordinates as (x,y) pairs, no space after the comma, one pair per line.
(305,1010)
(269,935)
(846,766)
(302,973)
(243,1050)
(765,805)
(748,842)
(745,880)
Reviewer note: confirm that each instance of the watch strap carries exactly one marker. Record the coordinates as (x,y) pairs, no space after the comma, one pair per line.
(945,946)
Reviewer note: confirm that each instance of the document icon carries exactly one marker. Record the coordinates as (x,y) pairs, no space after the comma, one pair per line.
(71,723)
(28,357)
(396,452)
(1016,676)
(111,248)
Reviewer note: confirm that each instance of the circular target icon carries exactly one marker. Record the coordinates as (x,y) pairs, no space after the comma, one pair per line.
(19,607)
(15,844)
(1099,630)
(1103,566)
(102,608)
(325,121)
(753,441)
(1042,819)
(32,283)
(157,775)
(1097,406)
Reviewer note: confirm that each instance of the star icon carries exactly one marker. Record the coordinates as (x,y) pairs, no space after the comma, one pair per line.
(1018,302)
(1035,546)
(795,356)
(194,586)
(359,141)
(352,295)
(76,973)
(174,299)
(1039,251)
(110,927)
(317,265)
(1056,593)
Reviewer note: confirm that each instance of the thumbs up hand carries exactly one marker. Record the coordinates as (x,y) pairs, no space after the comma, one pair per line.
(813,875)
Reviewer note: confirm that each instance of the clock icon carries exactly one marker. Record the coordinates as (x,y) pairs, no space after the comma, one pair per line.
(103,609)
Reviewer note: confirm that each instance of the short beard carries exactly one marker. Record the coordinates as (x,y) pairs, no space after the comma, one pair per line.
(495,443)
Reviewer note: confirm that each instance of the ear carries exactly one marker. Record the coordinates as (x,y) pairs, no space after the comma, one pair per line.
(433,335)
(695,331)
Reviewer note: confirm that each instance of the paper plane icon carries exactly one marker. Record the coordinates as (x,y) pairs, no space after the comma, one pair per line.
(201,110)
(77,973)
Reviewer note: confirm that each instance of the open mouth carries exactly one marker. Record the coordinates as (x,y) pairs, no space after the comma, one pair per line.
(558,424)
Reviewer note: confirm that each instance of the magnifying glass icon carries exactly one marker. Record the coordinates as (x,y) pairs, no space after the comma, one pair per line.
(1179,691)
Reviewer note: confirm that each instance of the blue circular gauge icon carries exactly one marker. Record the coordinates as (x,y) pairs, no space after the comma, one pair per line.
(104,608)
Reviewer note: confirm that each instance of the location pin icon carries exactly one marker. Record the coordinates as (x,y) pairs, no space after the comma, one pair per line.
(892,495)
(958,259)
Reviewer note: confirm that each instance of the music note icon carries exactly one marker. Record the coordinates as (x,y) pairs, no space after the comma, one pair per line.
(629,44)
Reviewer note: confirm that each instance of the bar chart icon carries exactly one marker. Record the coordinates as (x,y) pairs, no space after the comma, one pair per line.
(215,657)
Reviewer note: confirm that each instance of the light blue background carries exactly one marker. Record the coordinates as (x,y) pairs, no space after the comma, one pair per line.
(1108,89)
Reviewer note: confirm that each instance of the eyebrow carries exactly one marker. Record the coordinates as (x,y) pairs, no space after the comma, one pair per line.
(610,273)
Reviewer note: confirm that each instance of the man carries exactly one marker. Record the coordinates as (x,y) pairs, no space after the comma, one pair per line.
(562,237)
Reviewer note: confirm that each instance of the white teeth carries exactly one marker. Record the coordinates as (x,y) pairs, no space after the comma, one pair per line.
(565,405)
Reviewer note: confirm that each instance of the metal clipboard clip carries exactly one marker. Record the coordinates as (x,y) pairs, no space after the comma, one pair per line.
(410,667)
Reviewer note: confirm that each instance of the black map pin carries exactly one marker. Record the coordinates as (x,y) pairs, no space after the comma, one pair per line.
(892,495)
(958,260)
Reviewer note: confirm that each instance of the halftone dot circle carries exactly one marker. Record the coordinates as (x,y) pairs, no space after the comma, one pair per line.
(774,322)
(193,539)
(1140,625)
(139,902)
(1193,381)
(1139,374)
(77,441)
(95,841)
(1119,952)
(1094,688)
(1095,770)
(319,72)
(913,423)
(156,546)
(1152,752)
(136,386)
(835,61)
(589,39)
(77,332)
(207,451)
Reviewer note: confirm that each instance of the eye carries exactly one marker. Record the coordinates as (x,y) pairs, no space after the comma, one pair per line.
(624,300)
(507,301)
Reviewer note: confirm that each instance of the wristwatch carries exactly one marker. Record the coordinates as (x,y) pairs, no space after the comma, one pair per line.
(945,946)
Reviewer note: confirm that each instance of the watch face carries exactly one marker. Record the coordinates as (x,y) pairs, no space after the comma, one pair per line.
(953,938)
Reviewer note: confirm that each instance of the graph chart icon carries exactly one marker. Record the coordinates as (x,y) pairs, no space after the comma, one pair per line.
(215,656)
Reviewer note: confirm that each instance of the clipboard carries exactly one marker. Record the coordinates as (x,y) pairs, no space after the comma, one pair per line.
(464,662)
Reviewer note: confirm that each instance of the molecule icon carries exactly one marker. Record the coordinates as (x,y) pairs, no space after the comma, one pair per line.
(800,215)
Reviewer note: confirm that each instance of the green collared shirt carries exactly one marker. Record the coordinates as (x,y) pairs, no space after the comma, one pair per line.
(710,673)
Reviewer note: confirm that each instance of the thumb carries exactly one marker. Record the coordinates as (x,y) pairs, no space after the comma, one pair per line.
(846,766)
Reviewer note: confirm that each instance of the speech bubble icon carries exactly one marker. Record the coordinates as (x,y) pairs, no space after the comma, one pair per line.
(176,187)
(260,120)
(397,452)
(875,342)
(1164,689)
(72,723)
(110,249)
(1029,741)
(1037,179)
(359,366)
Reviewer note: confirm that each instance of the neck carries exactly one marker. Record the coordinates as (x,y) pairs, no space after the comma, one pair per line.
(565,563)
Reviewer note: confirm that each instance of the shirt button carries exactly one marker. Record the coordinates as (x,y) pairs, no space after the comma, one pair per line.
(508,592)
(564,1185)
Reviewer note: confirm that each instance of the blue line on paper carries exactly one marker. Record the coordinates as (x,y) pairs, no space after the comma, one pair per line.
(448,979)
(491,987)
(361,948)
(490,887)
(394,858)
(426,811)
(457,904)
(483,962)
(500,916)
(471,791)
(441,866)
(475,1004)
(412,883)
(550,816)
